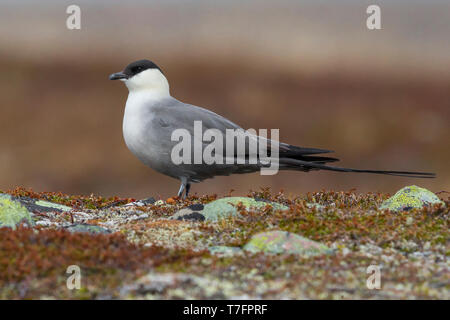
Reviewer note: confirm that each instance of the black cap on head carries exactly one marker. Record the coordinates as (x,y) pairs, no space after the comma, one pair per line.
(134,68)
(139,66)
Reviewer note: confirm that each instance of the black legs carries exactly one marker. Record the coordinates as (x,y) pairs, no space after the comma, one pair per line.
(185,186)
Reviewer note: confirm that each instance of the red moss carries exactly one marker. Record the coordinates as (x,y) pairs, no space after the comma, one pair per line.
(28,255)
(78,201)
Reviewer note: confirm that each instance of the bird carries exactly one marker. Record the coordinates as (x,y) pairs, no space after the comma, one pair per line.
(152,114)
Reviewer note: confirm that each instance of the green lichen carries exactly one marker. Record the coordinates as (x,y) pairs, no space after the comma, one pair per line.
(285,242)
(12,212)
(47,204)
(92,229)
(410,197)
(227,207)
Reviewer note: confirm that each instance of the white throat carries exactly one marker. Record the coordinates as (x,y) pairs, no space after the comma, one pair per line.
(150,82)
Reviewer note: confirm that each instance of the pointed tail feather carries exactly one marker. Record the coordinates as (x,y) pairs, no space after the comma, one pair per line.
(314,165)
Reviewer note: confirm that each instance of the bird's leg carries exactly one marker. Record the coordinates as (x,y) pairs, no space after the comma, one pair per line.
(182,187)
(188,187)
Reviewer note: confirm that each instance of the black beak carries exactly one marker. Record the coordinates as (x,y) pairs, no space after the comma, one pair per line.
(117,76)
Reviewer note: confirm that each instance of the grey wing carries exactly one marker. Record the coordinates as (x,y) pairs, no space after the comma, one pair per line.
(178,115)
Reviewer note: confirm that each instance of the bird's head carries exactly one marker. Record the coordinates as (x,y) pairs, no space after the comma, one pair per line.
(143,75)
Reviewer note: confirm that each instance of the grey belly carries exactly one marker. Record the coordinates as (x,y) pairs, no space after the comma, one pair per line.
(158,157)
(154,150)
(154,155)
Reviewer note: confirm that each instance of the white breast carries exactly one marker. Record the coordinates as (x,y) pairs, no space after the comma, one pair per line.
(137,126)
(146,90)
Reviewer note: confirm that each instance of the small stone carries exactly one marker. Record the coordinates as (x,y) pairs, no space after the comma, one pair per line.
(409,221)
(224,250)
(187,236)
(148,201)
(159,203)
(12,212)
(226,207)
(188,214)
(44,223)
(141,203)
(410,197)
(283,242)
(346,251)
(316,206)
(87,228)
(155,283)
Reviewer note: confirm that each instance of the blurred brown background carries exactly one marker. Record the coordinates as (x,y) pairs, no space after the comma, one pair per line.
(380,99)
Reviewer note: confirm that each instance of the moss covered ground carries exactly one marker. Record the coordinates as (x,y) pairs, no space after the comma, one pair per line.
(148,256)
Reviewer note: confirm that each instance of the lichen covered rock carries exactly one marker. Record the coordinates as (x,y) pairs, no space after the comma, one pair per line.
(190,213)
(143,202)
(410,197)
(227,207)
(87,228)
(285,242)
(12,212)
(224,250)
(36,205)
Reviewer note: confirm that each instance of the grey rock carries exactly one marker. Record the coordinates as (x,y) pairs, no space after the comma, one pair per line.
(87,228)
(227,207)
(188,214)
(141,203)
(37,205)
(279,242)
